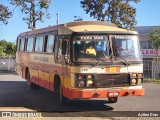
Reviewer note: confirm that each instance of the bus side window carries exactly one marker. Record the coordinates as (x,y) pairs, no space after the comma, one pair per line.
(39,44)
(30,42)
(18,44)
(49,44)
(22,43)
(45,43)
(25,44)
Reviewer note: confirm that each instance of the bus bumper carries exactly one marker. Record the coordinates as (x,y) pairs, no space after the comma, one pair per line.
(101,93)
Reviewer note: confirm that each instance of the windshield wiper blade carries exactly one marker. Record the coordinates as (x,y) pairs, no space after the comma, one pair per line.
(96,62)
(125,62)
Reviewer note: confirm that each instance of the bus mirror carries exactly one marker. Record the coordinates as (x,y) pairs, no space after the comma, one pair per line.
(64,47)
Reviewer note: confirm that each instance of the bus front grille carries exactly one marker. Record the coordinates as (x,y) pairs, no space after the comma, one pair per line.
(108,80)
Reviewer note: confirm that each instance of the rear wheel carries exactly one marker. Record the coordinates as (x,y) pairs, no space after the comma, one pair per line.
(113,99)
(30,84)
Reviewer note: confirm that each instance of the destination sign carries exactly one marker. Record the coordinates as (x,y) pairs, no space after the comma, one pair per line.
(121,37)
(87,37)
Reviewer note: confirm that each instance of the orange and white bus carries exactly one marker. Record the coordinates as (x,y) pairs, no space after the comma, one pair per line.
(82,60)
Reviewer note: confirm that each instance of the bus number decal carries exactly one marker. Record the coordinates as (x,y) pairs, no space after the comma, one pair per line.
(84,69)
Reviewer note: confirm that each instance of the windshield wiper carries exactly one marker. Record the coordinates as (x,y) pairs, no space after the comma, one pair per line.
(96,62)
(125,62)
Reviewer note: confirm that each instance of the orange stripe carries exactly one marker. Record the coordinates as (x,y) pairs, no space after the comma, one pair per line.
(112,69)
(107,69)
(117,69)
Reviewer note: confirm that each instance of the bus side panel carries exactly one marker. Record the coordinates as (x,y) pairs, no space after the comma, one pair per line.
(51,77)
(34,76)
(41,78)
(21,70)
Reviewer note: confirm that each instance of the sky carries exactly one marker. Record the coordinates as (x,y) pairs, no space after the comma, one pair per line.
(148,14)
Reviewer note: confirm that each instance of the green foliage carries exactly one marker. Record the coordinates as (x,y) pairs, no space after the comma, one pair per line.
(34,10)
(7,49)
(149,80)
(5,14)
(155,38)
(119,12)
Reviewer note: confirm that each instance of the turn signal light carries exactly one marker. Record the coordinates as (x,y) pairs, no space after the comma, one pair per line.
(89,76)
(81,77)
(140,75)
(134,75)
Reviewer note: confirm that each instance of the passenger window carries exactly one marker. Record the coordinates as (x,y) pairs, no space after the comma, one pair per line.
(22,41)
(39,44)
(18,44)
(49,44)
(30,44)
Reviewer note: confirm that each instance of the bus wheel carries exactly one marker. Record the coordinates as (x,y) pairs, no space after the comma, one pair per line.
(63,100)
(30,84)
(113,99)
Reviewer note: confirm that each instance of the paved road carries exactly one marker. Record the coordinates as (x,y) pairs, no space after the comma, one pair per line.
(14,94)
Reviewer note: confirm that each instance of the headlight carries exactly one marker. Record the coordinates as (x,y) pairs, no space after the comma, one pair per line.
(85,80)
(90,83)
(136,78)
(134,81)
(81,83)
(139,81)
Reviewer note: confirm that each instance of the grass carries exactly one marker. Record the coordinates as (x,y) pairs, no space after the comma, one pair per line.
(7,72)
(149,80)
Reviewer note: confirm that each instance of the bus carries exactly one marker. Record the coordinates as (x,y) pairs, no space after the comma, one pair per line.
(82,60)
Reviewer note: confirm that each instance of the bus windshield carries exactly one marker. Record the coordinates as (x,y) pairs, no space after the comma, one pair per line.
(126,47)
(90,46)
(120,48)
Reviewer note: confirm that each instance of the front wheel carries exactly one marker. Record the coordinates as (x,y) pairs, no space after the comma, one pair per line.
(63,100)
(113,99)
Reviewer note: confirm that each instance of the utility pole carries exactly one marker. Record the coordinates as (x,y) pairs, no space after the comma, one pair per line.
(57,18)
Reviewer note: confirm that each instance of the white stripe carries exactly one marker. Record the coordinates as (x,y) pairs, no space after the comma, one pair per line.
(135,87)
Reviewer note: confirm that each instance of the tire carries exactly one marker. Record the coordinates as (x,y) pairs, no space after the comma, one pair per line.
(62,99)
(29,83)
(58,90)
(113,99)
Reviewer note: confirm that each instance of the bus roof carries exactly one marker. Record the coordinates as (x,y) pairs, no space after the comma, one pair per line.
(81,26)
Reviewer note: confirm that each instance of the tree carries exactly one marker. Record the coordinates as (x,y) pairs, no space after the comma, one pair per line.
(155,38)
(10,50)
(7,49)
(4,14)
(119,12)
(34,10)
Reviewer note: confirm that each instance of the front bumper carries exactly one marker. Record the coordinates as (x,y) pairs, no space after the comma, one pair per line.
(77,93)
